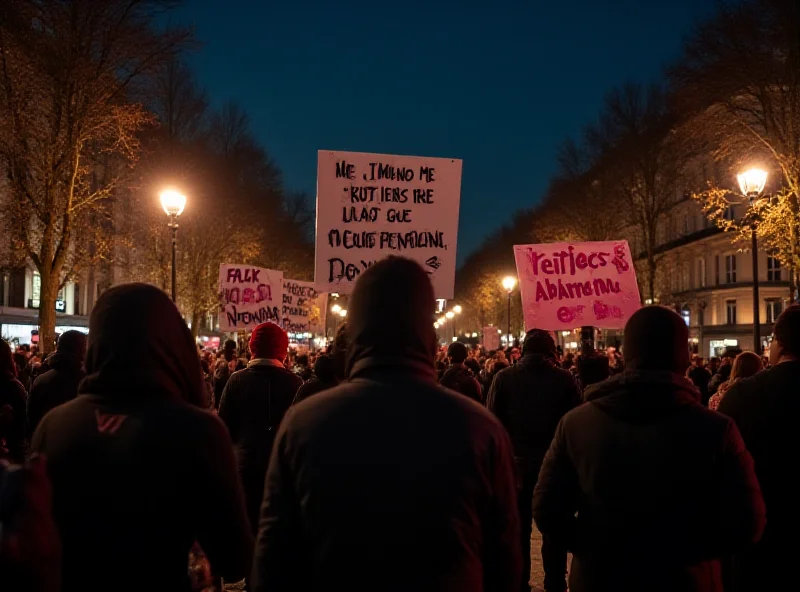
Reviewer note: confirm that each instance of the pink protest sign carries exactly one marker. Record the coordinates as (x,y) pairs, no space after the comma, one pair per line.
(567,285)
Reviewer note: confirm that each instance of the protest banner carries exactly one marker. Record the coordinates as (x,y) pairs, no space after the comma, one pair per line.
(566,285)
(370,206)
(248,296)
(304,309)
(491,338)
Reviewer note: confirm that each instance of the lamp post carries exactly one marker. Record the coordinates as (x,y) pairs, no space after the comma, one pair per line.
(751,183)
(509,283)
(335,309)
(450,316)
(173,203)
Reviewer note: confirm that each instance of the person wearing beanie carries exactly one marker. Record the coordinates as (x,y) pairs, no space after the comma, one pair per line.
(60,383)
(388,481)
(646,487)
(253,404)
(530,398)
(765,408)
(458,377)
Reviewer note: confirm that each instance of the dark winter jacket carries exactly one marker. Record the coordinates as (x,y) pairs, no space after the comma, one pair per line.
(312,387)
(530,399)
(663,488)
(700,377)
(134,461)
(12,424)
(722,376)
(253,404)
(388,481)
(460,379)
(55,387)
(766,408)
(325,377)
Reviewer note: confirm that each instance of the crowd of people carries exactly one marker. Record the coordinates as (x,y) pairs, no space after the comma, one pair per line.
(389,462)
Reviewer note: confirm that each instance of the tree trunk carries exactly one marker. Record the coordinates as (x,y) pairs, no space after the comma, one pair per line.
(196,316)
(651,278)
(47,311)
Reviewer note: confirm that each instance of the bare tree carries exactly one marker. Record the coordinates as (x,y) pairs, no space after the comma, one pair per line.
(67,128)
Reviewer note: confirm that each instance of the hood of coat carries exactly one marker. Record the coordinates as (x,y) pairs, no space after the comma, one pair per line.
(64,362)
(643,396)
(140,347)
(390,320)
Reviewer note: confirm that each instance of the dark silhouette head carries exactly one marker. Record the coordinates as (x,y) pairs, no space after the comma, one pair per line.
(457,352)
(593,369)
(539,343)
(656,338)
(73,344)
(325,369)
(140,347)
(8,369)
(390,314)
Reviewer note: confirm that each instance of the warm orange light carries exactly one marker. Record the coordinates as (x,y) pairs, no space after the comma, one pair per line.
(173,202)
(509,283)
(752,181)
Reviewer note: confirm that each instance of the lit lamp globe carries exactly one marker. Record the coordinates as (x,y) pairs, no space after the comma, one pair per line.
(343,313)
(336,309)
(450,315)
(752,181)
(173,202)
(509,283)
(457,309)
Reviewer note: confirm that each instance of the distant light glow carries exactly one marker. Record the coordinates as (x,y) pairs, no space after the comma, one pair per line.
(752,181)
(509,283)
(173,202)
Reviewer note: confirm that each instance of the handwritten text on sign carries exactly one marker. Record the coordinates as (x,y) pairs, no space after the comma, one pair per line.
(303,309)
(248,296)
(566,285)
(370,206)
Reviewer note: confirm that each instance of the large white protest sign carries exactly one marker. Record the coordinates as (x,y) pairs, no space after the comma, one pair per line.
(304,308)
(248,296)
(370,206)
(491,338)
(567,285)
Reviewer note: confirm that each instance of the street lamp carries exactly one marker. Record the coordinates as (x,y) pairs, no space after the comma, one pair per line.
(173,203)
(343,313)
(751,183)
(509,283)
(335,309)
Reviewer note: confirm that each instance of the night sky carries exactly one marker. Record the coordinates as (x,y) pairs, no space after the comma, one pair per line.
(499,84)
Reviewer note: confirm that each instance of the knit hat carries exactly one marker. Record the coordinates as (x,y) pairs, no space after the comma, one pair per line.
(656,338)
(269,341)
(538,341)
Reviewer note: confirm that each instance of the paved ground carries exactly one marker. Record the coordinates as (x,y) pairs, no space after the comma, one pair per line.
(537,573)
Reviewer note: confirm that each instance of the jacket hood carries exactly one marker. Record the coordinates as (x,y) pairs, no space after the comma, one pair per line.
(643,396)
(390,318)
(64,362)
(139,346)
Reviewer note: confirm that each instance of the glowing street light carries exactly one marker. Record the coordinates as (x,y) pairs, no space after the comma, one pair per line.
(336,309)
(752,183)
(173,203)
(342,313)
(509,283)
(457,309)
(450,314)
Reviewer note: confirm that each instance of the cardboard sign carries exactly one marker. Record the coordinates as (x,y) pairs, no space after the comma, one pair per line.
(303,309)
(370,206)
(248,296)
(491,338)
(568,285)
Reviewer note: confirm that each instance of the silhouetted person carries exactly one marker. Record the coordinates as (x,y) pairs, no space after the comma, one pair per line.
(701,378)
(766,409)
(12,408)
(139,470)
(324,378)
(530,399)
(458,377)
(662,486)
(389,482)
(60,383)
(225,366)
(593,369)
(253,404)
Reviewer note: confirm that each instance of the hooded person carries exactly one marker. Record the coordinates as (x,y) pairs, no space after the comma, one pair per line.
(662,486)
(389,469)
(529,399)
(60,383)
(253,404)
(134,459)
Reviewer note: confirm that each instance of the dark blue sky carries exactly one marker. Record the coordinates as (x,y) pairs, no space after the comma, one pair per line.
(499,84)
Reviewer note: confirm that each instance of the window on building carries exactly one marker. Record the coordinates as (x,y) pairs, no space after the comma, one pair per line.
(728,214)
(716,269)
(730,269)
(687,316)
(701,273)
(773,269)
(730,310)
(36,289)
(774,309)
